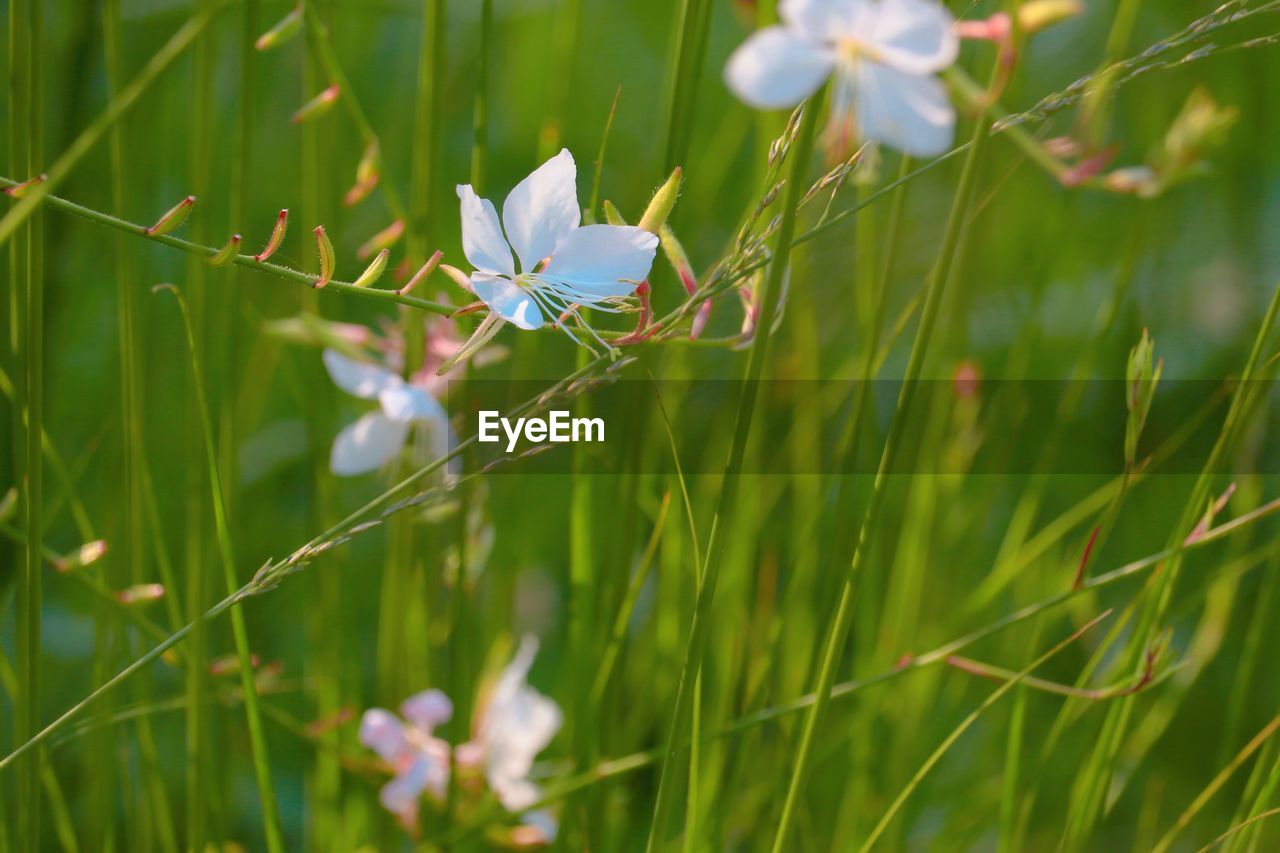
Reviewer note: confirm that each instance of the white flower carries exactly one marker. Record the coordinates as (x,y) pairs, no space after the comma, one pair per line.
(883,53)
(591,265)
(419,760)
(380,435)
(516,724)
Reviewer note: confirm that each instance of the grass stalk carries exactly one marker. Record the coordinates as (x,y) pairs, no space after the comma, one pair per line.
(800,152)
(115,109)
(480,114)
(684,71)
(839,627)
(261,758)
(428,109)
(934,657)
(26,33)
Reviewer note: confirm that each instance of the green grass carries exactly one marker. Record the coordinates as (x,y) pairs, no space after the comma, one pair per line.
(792,604)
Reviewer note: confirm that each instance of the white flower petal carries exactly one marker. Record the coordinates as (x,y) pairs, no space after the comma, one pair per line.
(361,379)
(514,793)
(603,260)
(541,209)
(409,403)
(507,300)
(482,240)
(427,709)
(400,796)
(915,36)
(519,721)
(777,68)
(367,444)
(908,112)
(826,20)
(382,732)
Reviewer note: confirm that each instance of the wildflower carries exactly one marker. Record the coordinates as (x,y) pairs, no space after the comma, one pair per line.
(516,723)
(883,54)
(418,760)
(563,265)
(379,436)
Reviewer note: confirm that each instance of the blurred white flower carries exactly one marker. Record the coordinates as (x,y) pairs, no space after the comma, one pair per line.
(377,437)
(586,265)
(516,723)
(883,54)
(418,760)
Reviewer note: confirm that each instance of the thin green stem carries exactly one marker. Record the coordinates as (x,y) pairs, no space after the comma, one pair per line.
(318,35)
(938,655)
(247,261)
(684,71)
(800,153)
(261,758)
(480,116)
(116,108)
(964,726)
(839,627)
(424,175)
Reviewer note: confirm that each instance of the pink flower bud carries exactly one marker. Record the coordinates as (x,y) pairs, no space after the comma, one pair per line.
(384,239)
(277,236)
(317,106)
(327,258)
(140,593)
(173,218)
(227,253)
(427,269)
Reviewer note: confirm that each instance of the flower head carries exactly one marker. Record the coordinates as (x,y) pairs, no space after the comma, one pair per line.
(883,54)
(418,760)
(378,436)
(585,265)
(516,723)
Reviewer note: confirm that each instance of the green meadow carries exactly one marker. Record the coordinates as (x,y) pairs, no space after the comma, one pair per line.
(934,500)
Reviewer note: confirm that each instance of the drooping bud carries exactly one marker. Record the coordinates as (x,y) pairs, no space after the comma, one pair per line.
(230,664)
(679,261)
(140,593)
(374,271)
(317,106)
(459,277)
(343,715)
(1088,168)
(1142,377)
(19,190)
(285,29)
(662,203)
(384,239)
(86,554)
(173,218)
(488,327)
(612,215)
(227,253)
(1036,15)
(328,260)
(367,176)
(996,28)
(421,275)
(700,320)
(277,236)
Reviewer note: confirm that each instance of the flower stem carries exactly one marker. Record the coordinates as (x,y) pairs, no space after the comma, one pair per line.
(248,261)
(800,152)
(839,628)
